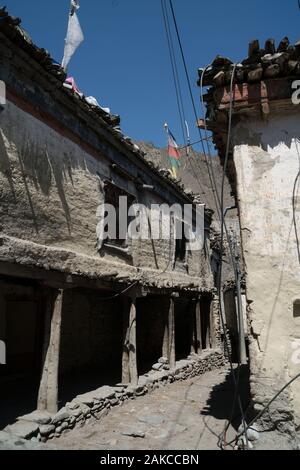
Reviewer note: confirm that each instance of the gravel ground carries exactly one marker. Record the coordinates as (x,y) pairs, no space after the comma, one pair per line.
(187,415)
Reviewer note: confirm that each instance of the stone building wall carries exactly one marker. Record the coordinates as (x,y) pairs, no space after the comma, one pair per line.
(60,159)
(267,161)
(51,190)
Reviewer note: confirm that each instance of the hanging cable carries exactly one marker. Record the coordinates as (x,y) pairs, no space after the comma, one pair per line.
(295,215)
(211,175)
(294,203)
(174,70)
(153,277)
(262,412)
(219,204)
(177,85)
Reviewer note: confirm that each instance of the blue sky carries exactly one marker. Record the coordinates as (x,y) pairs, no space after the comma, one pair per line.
(124,60)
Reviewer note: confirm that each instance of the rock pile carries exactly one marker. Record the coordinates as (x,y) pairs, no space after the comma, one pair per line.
(269,62)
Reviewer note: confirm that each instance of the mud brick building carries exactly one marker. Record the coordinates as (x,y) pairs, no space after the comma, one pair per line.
(76,314)
(264,169)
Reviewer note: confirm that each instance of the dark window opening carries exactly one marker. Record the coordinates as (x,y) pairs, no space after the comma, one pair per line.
(296,309)
(112,197)
(181,241)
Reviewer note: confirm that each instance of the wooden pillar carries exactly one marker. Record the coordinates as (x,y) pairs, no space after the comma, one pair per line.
(2,317)
(2,329)
(132,343)
(129,359)
(48,391)
(212,327)
(165,348)
(125,355)
(198,327)
(171,334)
(192,322)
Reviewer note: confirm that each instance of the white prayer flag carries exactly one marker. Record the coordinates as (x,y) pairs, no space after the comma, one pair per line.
(74,35)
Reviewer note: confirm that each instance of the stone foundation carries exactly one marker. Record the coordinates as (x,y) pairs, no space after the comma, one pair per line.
(41,426)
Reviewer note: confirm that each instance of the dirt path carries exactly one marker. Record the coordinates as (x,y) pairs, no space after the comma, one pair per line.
(185,416)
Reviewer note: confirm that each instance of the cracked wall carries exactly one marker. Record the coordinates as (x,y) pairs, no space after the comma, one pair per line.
(51,189)
(267,161)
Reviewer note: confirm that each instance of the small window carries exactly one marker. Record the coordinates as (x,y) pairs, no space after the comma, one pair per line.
(181,241)
(112,195)
(296,309)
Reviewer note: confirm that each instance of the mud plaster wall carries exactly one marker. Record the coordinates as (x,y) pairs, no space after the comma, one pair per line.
(50,190)
(49,186)
(267,160)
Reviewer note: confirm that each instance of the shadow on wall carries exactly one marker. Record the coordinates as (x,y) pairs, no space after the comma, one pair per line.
(40,167)
(244,136)
(293,228)
(268,138)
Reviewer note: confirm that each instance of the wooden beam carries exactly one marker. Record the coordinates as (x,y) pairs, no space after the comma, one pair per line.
(132,343)
(212,325)
(48,391)
(2,328)
(165,348)
(198,328)
(125,355)
(171,333)
(2,316)
(192,323)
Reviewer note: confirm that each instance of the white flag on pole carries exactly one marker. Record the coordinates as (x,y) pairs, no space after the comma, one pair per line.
(74,35)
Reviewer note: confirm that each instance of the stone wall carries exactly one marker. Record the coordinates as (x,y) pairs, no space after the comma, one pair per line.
(95,405)
(51,189)
(267,161)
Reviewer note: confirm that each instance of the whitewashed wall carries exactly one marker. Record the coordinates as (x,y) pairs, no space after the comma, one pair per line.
(267,160)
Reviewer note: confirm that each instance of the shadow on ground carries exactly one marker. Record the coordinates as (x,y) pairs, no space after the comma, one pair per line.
(222,396)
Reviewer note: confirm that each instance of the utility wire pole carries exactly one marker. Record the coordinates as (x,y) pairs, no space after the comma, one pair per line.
(240,316)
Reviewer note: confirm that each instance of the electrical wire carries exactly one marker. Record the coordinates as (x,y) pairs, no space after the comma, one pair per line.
(294,203)
(194,143)
(153,277)
(262,412)
(235,266)
(295,215)
(211,175)
(174,70)
(219,203)
(120,293)
(177,86)
(178,89)
(237,395)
